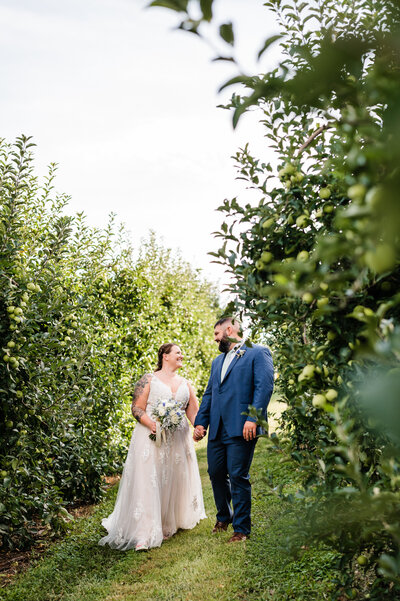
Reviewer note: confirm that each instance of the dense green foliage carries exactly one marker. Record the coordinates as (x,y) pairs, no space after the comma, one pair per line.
(80,321)
(315,259)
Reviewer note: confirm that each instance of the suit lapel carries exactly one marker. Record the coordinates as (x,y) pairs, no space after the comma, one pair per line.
(220,364)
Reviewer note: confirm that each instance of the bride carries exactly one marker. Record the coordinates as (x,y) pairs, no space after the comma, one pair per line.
(160,489)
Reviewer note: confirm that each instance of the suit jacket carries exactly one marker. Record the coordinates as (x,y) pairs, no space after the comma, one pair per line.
(248,381)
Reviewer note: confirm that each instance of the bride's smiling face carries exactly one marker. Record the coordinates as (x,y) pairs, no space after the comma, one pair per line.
(174,358)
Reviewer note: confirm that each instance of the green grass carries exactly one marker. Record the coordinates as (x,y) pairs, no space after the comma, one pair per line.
(271,572)
(192,565)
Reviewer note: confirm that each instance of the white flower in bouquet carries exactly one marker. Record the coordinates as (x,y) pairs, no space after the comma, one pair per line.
(169,415)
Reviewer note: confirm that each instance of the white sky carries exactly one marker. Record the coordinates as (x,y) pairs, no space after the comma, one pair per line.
(127,107)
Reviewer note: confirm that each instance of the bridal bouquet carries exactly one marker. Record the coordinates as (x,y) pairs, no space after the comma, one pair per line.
(168,415)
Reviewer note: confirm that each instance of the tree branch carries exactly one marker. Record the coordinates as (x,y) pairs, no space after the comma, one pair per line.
(312,137)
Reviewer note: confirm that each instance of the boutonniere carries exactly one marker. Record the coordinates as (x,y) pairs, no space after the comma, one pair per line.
(240,352)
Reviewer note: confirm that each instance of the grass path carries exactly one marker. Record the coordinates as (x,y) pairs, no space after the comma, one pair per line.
(193,565)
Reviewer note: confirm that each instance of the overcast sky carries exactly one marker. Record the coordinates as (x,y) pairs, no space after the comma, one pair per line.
(127,107)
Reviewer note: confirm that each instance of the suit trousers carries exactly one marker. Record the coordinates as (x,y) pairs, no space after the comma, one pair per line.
(229,460)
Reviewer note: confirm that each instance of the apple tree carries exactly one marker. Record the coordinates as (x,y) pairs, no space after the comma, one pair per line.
(313,248)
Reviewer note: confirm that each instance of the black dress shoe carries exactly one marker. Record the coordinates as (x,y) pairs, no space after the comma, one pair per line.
(220,527)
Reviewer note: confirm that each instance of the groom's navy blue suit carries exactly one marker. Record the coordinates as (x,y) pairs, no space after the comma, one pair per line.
(248,382)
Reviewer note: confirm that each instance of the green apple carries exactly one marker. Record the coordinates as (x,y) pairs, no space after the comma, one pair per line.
(19,394)
(356,192)
(324,193)
(302,220)
(382,259)
(319,401)
(266,256)
(11,309)
(328,208)
(307,297)
(267,223)
(362,560)
(375,196)
(308,371)
(288,169)
(303,255)
(331,394)
(11,344)
(322,302)
(31,286)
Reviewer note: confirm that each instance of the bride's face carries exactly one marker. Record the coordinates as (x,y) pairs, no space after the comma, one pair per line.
(174,358)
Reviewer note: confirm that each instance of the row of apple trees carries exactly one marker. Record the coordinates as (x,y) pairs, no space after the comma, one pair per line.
(81,319)
(315,258)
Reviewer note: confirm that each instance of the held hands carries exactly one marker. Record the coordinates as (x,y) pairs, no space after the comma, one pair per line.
(198,433)
(249,430)
(153,427)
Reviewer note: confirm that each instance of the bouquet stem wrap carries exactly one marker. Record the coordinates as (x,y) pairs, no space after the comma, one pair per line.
(160,434)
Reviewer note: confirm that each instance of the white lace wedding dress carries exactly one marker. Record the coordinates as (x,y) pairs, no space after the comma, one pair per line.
(160,489)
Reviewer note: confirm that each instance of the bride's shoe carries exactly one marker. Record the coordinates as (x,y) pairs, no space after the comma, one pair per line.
(141,547)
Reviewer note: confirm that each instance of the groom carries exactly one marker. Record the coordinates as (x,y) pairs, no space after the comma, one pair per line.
(240,377)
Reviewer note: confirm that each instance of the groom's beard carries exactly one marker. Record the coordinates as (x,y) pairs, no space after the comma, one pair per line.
(224,345)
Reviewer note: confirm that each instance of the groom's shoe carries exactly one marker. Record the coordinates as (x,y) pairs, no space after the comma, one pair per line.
(238,536)
(220,527)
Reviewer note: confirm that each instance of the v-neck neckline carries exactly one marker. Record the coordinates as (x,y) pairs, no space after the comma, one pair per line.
(169,387)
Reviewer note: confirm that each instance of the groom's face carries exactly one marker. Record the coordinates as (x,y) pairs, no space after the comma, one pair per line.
(221,334)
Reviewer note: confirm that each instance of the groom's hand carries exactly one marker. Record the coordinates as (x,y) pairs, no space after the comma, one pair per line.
(249,430)
(199,433)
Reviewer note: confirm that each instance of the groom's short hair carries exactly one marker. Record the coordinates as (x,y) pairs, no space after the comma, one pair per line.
(230,318)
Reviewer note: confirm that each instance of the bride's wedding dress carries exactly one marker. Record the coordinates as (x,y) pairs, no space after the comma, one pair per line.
(160,489)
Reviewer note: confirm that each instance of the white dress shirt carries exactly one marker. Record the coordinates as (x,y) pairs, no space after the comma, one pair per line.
(229,358)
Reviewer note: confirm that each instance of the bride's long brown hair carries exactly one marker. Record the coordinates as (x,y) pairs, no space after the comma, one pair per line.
(164,349)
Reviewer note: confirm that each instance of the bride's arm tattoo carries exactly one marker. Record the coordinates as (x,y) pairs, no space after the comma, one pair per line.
(138,412)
